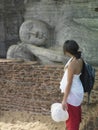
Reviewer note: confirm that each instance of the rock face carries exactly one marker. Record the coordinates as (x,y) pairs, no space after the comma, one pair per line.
(11,17)
(53,22)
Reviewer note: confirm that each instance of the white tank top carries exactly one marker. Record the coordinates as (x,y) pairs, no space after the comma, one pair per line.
(76,93)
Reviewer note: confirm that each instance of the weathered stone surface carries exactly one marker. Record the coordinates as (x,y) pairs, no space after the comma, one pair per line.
(68,20)
(11,17)
(85,37)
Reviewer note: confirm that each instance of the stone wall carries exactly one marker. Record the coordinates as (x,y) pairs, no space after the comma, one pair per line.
(27,86)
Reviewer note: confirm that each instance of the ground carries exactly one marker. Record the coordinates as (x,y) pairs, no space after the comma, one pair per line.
(28,121)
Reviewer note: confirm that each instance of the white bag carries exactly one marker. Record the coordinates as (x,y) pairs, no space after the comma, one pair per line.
(57,113)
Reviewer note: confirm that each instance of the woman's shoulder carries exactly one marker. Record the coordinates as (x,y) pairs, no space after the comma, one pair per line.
(75,64)
(71,66)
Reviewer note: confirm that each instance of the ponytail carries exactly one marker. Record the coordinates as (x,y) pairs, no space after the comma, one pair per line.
(77,55)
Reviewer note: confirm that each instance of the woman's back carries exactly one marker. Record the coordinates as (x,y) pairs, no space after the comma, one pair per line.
(76,65)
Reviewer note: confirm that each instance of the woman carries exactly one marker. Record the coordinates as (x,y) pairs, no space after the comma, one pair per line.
(71,85)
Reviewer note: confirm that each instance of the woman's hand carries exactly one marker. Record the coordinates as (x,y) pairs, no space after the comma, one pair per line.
(64,106)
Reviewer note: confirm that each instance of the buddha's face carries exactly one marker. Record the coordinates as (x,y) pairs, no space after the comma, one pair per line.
(34,32)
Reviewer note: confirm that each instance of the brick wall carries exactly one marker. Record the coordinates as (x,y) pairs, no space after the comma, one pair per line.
(27,86)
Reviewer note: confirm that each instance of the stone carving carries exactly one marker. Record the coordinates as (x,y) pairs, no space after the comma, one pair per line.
(34,35)
(34,32)
(21,52)
(65,21)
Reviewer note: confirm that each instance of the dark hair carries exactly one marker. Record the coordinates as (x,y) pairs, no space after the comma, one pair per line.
(72,47)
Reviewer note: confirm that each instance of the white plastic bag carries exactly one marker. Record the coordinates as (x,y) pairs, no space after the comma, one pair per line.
(57,113)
